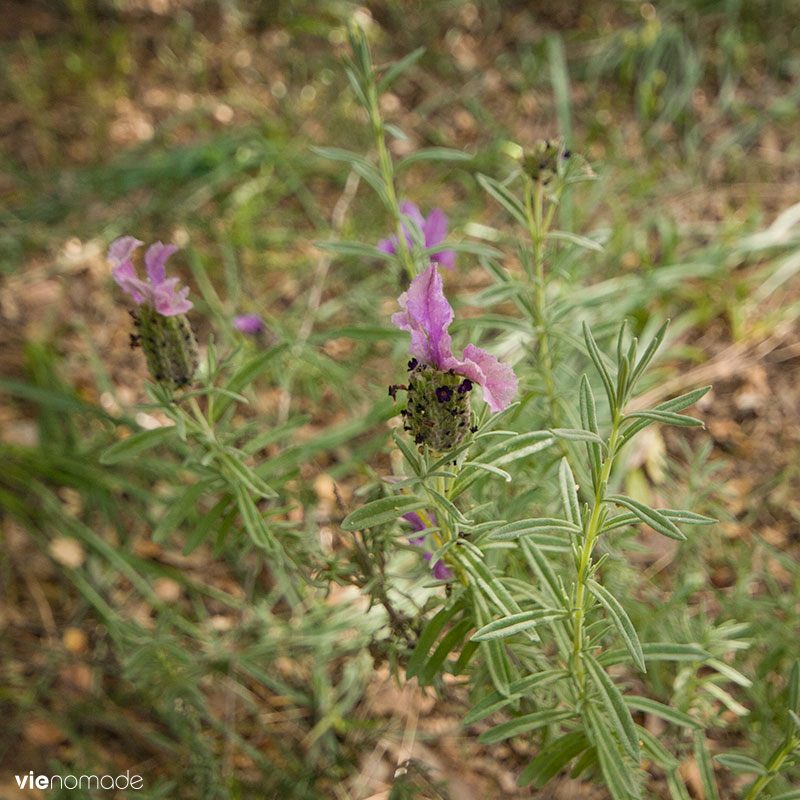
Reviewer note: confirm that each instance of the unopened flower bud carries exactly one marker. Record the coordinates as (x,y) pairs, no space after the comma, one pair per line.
(541,162)
(438,410)
(168,344)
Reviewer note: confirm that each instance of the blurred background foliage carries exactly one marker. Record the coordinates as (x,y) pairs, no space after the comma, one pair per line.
(191,121)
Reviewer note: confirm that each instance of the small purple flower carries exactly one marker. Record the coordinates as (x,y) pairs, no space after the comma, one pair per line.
(427,315)
(434,230)
(250,324)
(157,291)
(440,570)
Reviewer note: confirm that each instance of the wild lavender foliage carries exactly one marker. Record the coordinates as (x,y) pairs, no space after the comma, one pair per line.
(513,500)
(526,615)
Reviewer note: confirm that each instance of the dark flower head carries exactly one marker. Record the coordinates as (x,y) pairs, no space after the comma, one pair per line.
(443,393)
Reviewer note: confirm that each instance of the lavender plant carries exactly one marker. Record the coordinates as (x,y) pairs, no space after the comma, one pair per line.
(217,456)
(526,614)
(509,479)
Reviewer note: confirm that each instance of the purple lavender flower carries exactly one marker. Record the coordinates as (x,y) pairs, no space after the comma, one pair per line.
(427,315)
(440,569)
(434,230)
(157,291)
(250,324)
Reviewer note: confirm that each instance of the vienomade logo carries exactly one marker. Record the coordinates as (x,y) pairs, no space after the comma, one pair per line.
(126,781)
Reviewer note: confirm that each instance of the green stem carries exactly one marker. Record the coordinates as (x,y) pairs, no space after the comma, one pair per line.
(201,419)
(773,767)
(387,173)
(585,559)
(538,225)
(445,534)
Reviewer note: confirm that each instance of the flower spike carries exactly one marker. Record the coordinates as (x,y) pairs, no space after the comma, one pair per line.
(427,315)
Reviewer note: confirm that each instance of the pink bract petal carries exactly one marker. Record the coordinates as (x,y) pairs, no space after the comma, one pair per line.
(435,227)
(426,315)
(126,279)
(411,210)
(250,324)
(388,245)
(415,521)
(447,258)
(158,291)
(435,230)
(497,379)
(155,259)
(168,302)
(120,249)
(441,572)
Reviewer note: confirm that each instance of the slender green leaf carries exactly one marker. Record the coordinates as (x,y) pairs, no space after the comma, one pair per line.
(396,69)
(660,710)
(254,521)
(514,530)
(452,639)
(577,435)
(430,633)
(500,669)
(621,621)
(658,651)
(544,572)
(523,724)
(667,417)
(724,697)
(381,511)
(682,517)
(729,672)
(496,701)
(135,444)
(179,510)
(793,690)
(655,519)
(520,446)
(616,771)
(703,759)
(249,371)
(569,492)
(741,763)
(501,473)
(239,473)
(649,352)
(588,409)
(677,787)
(358,249)
(205,524)
(411,457)
(615,707)
(432,154)
(574,238)
(597,360)
(508,626)
(490,585)
(553,759)
(505,197)
(656,750)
